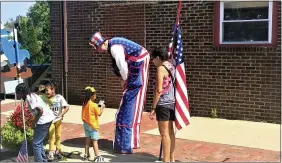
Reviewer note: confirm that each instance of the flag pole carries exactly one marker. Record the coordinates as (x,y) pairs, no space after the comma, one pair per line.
(161,150)
(177,22)
(16,26)
(22,106)
(171,49)
(15,31)
(16,56)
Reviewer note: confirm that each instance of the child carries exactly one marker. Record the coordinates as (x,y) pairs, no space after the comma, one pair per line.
(89,116)
(43,119)
(59,106)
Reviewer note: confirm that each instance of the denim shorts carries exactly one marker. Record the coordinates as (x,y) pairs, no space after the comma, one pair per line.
(90,132)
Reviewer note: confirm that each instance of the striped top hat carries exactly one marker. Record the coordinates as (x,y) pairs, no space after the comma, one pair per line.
(97,40)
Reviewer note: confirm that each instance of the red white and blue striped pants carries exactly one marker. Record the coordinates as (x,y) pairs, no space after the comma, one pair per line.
(129,114)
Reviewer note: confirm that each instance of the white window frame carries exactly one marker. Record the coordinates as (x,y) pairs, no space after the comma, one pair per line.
(270,12)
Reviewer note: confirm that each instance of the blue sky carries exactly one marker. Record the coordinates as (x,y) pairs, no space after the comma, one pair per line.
(13,9)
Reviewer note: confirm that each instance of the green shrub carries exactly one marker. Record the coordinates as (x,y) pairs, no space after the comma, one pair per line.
(214,113)
(12,133)
(12,137)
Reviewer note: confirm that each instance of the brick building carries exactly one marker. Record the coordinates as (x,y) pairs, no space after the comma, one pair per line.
(232,52)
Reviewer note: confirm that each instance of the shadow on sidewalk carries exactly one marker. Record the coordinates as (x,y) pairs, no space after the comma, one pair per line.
(107,146)
(11,156)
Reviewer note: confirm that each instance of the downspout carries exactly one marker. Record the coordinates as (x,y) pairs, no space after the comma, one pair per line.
(62,49)
(144,11)
(66,48)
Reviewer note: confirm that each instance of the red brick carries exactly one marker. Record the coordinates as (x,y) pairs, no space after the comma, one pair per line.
(7,107)
(211,71)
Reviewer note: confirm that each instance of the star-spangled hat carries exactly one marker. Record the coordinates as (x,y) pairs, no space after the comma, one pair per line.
(97,40)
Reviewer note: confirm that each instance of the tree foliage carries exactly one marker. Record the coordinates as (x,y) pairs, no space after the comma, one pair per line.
(35,31)
(9,23)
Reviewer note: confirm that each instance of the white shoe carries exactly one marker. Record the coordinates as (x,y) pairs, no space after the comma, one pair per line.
(51,156)
(98,159)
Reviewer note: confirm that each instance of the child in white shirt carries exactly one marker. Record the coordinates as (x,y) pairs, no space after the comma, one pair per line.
(43,119)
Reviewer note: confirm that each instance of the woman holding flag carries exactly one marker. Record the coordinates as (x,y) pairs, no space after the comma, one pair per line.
(164,102)
(179,112)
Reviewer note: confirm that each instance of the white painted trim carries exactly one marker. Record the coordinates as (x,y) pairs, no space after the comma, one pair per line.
(270,24)
(254,20)
(270,12)
(220,21)
(128,3)
(246,42)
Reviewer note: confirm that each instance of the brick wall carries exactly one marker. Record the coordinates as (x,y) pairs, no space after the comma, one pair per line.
(240,82)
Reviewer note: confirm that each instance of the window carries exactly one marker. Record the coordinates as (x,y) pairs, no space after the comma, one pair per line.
(245,23)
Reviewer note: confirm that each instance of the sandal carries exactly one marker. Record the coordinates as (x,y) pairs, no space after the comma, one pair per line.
(86,158)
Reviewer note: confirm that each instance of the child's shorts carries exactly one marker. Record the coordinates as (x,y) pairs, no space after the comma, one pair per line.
(90,132)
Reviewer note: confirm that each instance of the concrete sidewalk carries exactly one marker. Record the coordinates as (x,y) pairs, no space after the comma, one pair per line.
(9,101)
(73,116)
(230,132)
(205,139)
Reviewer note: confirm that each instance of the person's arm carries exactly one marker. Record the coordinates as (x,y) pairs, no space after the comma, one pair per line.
(40,89)
(64,111)
(32,102)
(38,115)
(102,109)
(97,110)
(159,88)
(65,105)
(117,52)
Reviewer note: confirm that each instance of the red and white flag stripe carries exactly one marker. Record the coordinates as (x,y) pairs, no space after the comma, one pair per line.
(181,98)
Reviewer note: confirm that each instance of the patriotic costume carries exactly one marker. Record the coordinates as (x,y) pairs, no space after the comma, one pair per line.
(131,62)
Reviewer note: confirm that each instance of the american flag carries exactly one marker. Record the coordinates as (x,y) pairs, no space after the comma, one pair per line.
(181,96)
(23,155)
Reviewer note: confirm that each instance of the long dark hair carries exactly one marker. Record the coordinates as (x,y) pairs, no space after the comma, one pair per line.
(88,95)
(159,52)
